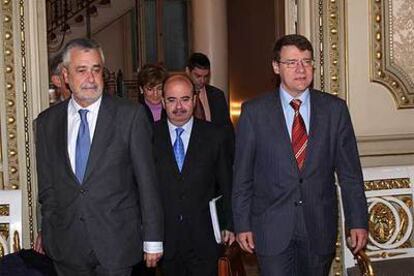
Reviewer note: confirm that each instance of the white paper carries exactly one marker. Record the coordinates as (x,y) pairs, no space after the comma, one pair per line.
(214,218)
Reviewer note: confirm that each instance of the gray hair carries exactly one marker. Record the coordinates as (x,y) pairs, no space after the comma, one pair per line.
(83,44)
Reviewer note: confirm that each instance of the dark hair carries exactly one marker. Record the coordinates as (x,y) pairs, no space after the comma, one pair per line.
(183,77)
(151,75)
(54,65)
(198,60)
(299,41)
(81,43)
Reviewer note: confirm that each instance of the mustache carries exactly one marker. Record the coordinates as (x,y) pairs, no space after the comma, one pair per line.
(179,111)
(89,86)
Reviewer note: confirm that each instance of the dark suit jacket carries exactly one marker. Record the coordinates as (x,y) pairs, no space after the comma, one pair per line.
(218,106)
(220,115)
(117,206)
(206,173)
(267,181)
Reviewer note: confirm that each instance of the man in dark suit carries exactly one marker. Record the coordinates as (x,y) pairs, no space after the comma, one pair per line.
(211,103)
(290,143)
(193,168)
(100,203)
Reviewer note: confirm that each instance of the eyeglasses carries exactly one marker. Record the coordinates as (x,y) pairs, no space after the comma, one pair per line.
(182,100)
(293,63)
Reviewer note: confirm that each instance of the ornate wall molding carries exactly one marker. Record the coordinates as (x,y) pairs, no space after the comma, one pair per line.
(392,41)
(324,22)
(23,94)
(10,158)
(330,36)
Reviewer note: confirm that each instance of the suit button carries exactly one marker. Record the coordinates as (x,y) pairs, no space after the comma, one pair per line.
(82,219)
(298,203)
(180,218)
(180,178)
(301,180)
(82,191)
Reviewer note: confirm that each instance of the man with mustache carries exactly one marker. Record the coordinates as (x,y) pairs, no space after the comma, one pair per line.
(97,188)
(193,167)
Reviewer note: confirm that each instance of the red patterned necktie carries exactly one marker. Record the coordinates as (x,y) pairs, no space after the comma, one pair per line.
(299,136)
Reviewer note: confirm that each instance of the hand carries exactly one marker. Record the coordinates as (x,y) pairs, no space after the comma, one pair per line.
(227,237)
(38,246)
(245,239)
(151,259)
(359,237)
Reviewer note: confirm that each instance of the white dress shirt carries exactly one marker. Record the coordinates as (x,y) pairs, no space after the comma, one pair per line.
(74,122)
(185,136)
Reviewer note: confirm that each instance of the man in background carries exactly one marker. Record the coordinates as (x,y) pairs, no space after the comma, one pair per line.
(61,90)
(211,104)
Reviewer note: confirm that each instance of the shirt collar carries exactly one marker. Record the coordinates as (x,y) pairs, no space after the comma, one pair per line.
(286,98)
(187,126)
(74,107)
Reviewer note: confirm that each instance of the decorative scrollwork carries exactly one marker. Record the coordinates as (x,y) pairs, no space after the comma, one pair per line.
(4,210)
(386,184)
(392,40)
(390,222)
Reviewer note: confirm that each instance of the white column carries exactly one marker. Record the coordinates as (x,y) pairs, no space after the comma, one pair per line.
(210,37)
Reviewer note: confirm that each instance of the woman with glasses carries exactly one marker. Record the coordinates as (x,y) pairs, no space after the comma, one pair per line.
(150,79)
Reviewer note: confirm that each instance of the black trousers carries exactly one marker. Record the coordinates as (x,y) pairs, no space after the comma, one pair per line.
(297,259)
(186,261)
(141,269)
(91,267)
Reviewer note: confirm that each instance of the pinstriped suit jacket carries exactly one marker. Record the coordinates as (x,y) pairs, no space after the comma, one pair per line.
(267,181)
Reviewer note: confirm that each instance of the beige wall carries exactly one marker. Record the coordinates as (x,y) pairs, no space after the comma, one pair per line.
(115,40)
(372,105)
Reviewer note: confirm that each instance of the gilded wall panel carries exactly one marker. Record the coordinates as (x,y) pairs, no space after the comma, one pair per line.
(19,80)
(8,121)
(392,53)
(330,49)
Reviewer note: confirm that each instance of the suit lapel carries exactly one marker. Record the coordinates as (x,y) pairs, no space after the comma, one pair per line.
(279,128)
(62,132)
(315,123)
(105,127)
(193,145)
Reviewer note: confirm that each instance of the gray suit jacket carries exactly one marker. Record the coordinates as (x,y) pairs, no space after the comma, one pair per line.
(117,206)
(267,181)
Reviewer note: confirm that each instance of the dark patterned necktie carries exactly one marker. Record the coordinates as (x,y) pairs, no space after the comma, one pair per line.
(299,135)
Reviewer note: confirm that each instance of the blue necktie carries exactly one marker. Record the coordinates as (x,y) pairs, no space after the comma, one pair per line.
(179,148)
(83,145)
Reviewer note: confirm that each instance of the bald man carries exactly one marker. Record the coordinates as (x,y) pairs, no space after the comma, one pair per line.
(193,168)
